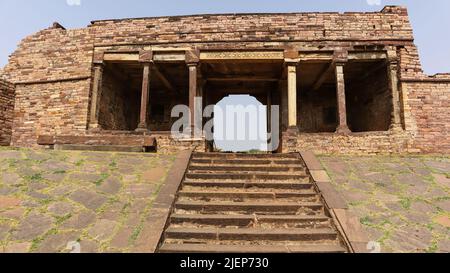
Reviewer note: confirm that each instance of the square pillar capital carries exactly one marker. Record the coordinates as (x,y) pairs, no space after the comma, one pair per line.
(392,57)
(98,58)
(340,57)
(146,56)
(291,54)
(192,57)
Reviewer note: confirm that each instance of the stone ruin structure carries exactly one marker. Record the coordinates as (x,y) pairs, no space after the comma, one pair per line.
(346,82)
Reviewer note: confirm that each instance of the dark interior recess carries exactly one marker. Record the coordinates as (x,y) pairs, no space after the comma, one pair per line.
(368,97)
(316,98)
(121,95)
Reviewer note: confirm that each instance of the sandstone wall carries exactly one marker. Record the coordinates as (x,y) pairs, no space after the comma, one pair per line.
(427,115)
(6,111)
(50,109)
(52,70)
(390,24)
(355,143)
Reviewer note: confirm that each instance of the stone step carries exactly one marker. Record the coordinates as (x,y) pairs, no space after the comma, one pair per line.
(252,207)
(249,203)
(250,162)
(257,169)
(245,184)
(250,176)
(259,175)
(245,194)
(244,156)
(251,234)
(245,220)
(220,248)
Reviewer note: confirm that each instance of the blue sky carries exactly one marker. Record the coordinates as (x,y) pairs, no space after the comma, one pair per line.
(19,18)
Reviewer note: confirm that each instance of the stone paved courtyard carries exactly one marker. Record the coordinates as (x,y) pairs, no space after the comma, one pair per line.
(402,202)
(102,200)
(99,199)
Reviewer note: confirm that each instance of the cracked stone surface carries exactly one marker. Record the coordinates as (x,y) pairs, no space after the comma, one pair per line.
(51,198)
(403,202)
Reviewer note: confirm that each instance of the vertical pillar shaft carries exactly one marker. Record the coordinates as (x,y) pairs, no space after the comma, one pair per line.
(292,95)
(143,125)
(284,105)
(269,118)
(96,95)
(341,103)
(393,86)
(192,94)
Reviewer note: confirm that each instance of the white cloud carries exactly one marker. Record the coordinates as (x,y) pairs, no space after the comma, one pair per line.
(374,2)
(73,2)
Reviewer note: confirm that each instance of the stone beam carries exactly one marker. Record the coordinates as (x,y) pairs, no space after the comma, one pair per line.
(242,78)
(367,55)
(339,56)
(121,57)
(316,57)
(241,55)
(323,76)
(169,57)
(373,70)
(164,79)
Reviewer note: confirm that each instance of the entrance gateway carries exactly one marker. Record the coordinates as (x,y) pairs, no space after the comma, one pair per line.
(330,92)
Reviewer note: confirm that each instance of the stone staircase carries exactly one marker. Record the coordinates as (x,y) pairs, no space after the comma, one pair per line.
(249,203)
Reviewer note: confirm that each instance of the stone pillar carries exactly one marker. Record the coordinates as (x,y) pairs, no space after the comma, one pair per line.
(269,118)
(95,98)
(192,61)
(192,95)
(143,125)
(292,95)
(341,103)
(284,104)
(392,70)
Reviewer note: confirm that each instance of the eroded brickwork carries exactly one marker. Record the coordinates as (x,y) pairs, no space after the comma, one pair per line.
(428,116)
(50,109)
(390,24)
(6,111)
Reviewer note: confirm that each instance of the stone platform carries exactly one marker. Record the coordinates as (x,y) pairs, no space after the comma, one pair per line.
(124,143)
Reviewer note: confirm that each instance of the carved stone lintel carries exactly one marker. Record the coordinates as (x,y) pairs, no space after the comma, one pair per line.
(242,55)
